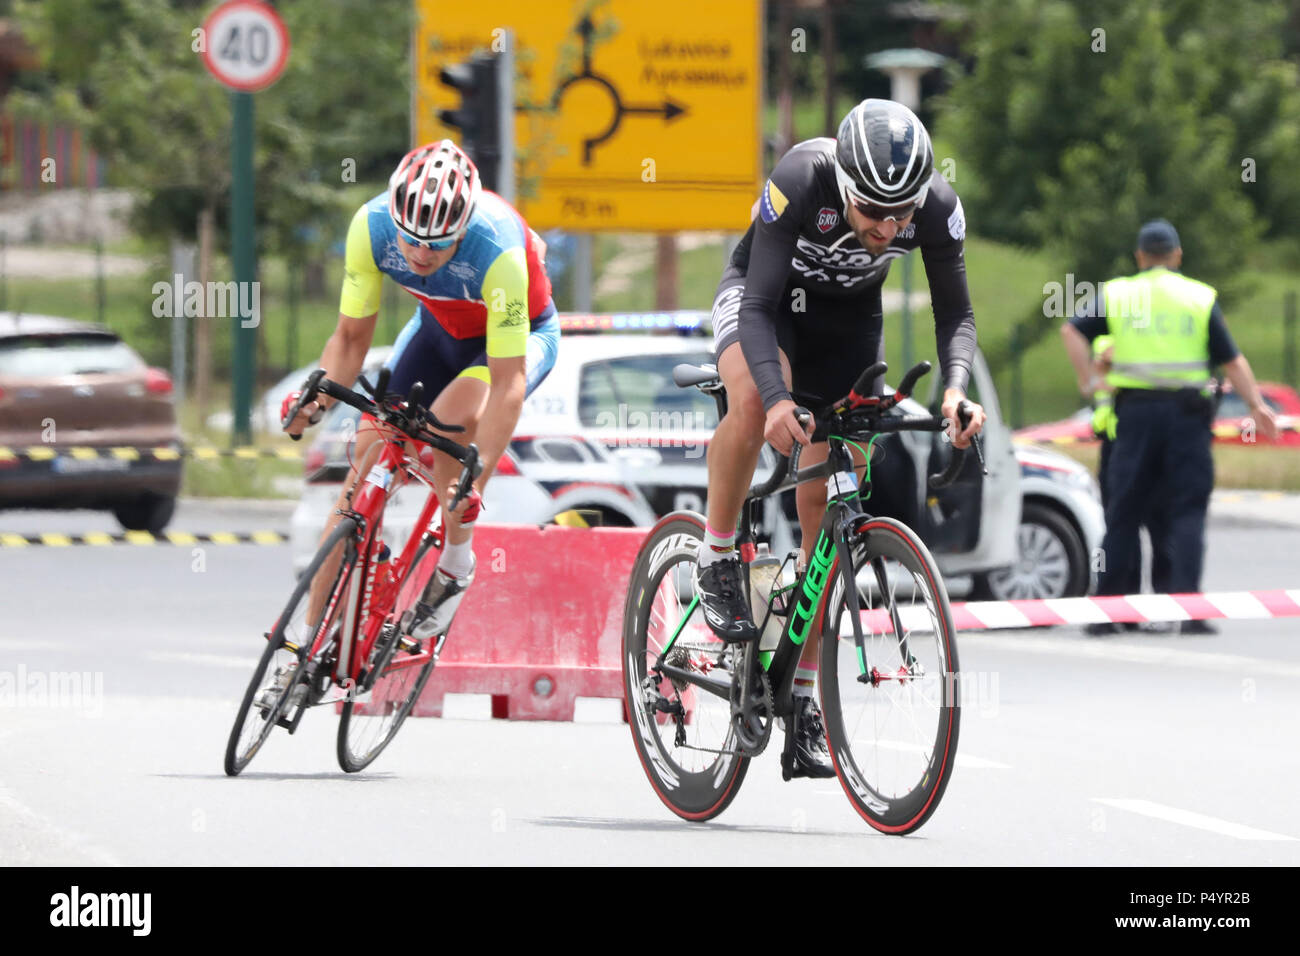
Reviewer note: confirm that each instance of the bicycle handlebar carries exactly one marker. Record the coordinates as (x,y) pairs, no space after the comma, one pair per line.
(407,417)
(949,475)
(857,412)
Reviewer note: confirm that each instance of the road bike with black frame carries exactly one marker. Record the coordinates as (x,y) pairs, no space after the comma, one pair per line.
(359,655)
(699,709)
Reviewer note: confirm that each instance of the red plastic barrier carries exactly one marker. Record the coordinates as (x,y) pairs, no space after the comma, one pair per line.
(542,623)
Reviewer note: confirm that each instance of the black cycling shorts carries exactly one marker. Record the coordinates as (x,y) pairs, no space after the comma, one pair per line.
(828,344)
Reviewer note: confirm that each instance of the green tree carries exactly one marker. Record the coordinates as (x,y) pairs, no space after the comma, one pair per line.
(130,74)
(1081,120)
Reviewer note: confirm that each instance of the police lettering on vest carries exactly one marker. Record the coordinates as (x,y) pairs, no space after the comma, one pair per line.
(1159,321)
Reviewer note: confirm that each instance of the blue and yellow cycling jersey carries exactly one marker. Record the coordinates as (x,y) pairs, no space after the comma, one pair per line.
(491,288)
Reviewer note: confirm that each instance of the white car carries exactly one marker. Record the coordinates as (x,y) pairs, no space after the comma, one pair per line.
(609,434)
(265,415)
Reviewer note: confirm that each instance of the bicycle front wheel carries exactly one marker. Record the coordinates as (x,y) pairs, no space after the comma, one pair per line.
(370,721)
(278,684)
(683,733)
(890,699)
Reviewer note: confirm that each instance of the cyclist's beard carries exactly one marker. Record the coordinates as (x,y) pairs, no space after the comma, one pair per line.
(872,245)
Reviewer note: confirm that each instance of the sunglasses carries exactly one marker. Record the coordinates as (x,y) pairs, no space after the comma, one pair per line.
(884,213)
(427,243)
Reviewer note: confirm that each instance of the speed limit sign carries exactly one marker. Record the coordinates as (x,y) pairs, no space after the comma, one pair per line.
(245,45)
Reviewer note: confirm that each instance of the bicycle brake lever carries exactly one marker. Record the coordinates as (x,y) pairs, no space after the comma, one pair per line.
(803,416)
(974,439)
(471,470)
(432,420)
(979,453)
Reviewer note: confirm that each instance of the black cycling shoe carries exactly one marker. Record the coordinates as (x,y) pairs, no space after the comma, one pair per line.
(812,758)
(723,600)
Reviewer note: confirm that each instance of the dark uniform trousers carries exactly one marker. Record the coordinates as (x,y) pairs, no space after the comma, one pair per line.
(1159,473)
(1159,562)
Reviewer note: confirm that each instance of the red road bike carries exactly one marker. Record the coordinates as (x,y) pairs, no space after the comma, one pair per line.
(359,655)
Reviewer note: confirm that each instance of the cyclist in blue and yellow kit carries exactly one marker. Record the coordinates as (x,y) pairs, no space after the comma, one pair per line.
(483,336)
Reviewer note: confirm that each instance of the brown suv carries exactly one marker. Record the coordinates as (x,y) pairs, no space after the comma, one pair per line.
(66,384)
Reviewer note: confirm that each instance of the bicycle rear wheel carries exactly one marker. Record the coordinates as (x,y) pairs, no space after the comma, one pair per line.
(683,734)
(279,682)
(370,721)
(890,703)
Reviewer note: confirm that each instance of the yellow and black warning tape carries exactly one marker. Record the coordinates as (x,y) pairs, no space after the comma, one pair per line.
(52,539)
(131,453)
(1220,431)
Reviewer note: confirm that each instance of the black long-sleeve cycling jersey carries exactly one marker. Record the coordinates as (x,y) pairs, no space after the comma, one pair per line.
(799,240)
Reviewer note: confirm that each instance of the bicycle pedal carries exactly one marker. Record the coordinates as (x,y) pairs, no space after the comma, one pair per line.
(408,644)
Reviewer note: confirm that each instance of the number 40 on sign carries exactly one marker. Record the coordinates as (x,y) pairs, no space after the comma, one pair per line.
(244,44)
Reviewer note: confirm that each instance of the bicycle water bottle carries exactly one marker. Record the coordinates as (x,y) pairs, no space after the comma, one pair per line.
(764,579)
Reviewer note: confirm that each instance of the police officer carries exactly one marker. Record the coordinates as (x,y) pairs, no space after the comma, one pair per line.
(1168,332)
(1104,425)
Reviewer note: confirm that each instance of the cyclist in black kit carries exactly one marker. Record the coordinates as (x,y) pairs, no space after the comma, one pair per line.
(798,316)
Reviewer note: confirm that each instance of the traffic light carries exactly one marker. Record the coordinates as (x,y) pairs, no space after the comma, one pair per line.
(479,116)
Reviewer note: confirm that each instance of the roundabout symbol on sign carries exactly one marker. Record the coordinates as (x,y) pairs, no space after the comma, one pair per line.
(668,109)
(246,45)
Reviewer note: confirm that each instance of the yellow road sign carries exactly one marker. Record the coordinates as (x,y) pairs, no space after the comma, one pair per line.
(629,115)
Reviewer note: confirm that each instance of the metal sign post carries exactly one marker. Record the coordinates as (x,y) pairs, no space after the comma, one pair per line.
(246,47)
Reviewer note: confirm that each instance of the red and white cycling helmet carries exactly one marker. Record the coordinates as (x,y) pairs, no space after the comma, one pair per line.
(432,193)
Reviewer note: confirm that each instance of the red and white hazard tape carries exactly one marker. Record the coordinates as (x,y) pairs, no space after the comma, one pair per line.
(1229,605)
(1135,608)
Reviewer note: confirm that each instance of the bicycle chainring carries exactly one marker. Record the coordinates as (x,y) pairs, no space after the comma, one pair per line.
(752,719)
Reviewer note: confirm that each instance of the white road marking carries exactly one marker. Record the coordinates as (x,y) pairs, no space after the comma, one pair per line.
(246,663)
(1173,655)
(21,644)
(1190,819)
(97,856)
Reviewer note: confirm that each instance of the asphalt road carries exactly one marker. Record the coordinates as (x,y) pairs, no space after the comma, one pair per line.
(1131,751)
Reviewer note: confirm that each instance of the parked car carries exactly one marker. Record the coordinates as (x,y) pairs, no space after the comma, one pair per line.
(1229,419)
(609,433)
(65,383)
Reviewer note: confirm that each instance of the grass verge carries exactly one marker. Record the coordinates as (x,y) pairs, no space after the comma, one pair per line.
(1260,467)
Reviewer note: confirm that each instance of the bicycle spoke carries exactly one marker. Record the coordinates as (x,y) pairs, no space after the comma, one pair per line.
(887,730)
(683,732)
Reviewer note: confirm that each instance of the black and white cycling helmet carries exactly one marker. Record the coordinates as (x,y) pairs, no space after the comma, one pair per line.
(883,156)
(432,193)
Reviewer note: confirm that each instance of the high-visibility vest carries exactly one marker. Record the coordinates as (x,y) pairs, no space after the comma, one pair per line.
(1160,322)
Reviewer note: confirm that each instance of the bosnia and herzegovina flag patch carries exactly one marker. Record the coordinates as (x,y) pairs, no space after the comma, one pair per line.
(772,203)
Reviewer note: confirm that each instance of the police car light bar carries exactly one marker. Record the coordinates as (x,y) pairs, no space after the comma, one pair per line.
(681,321)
